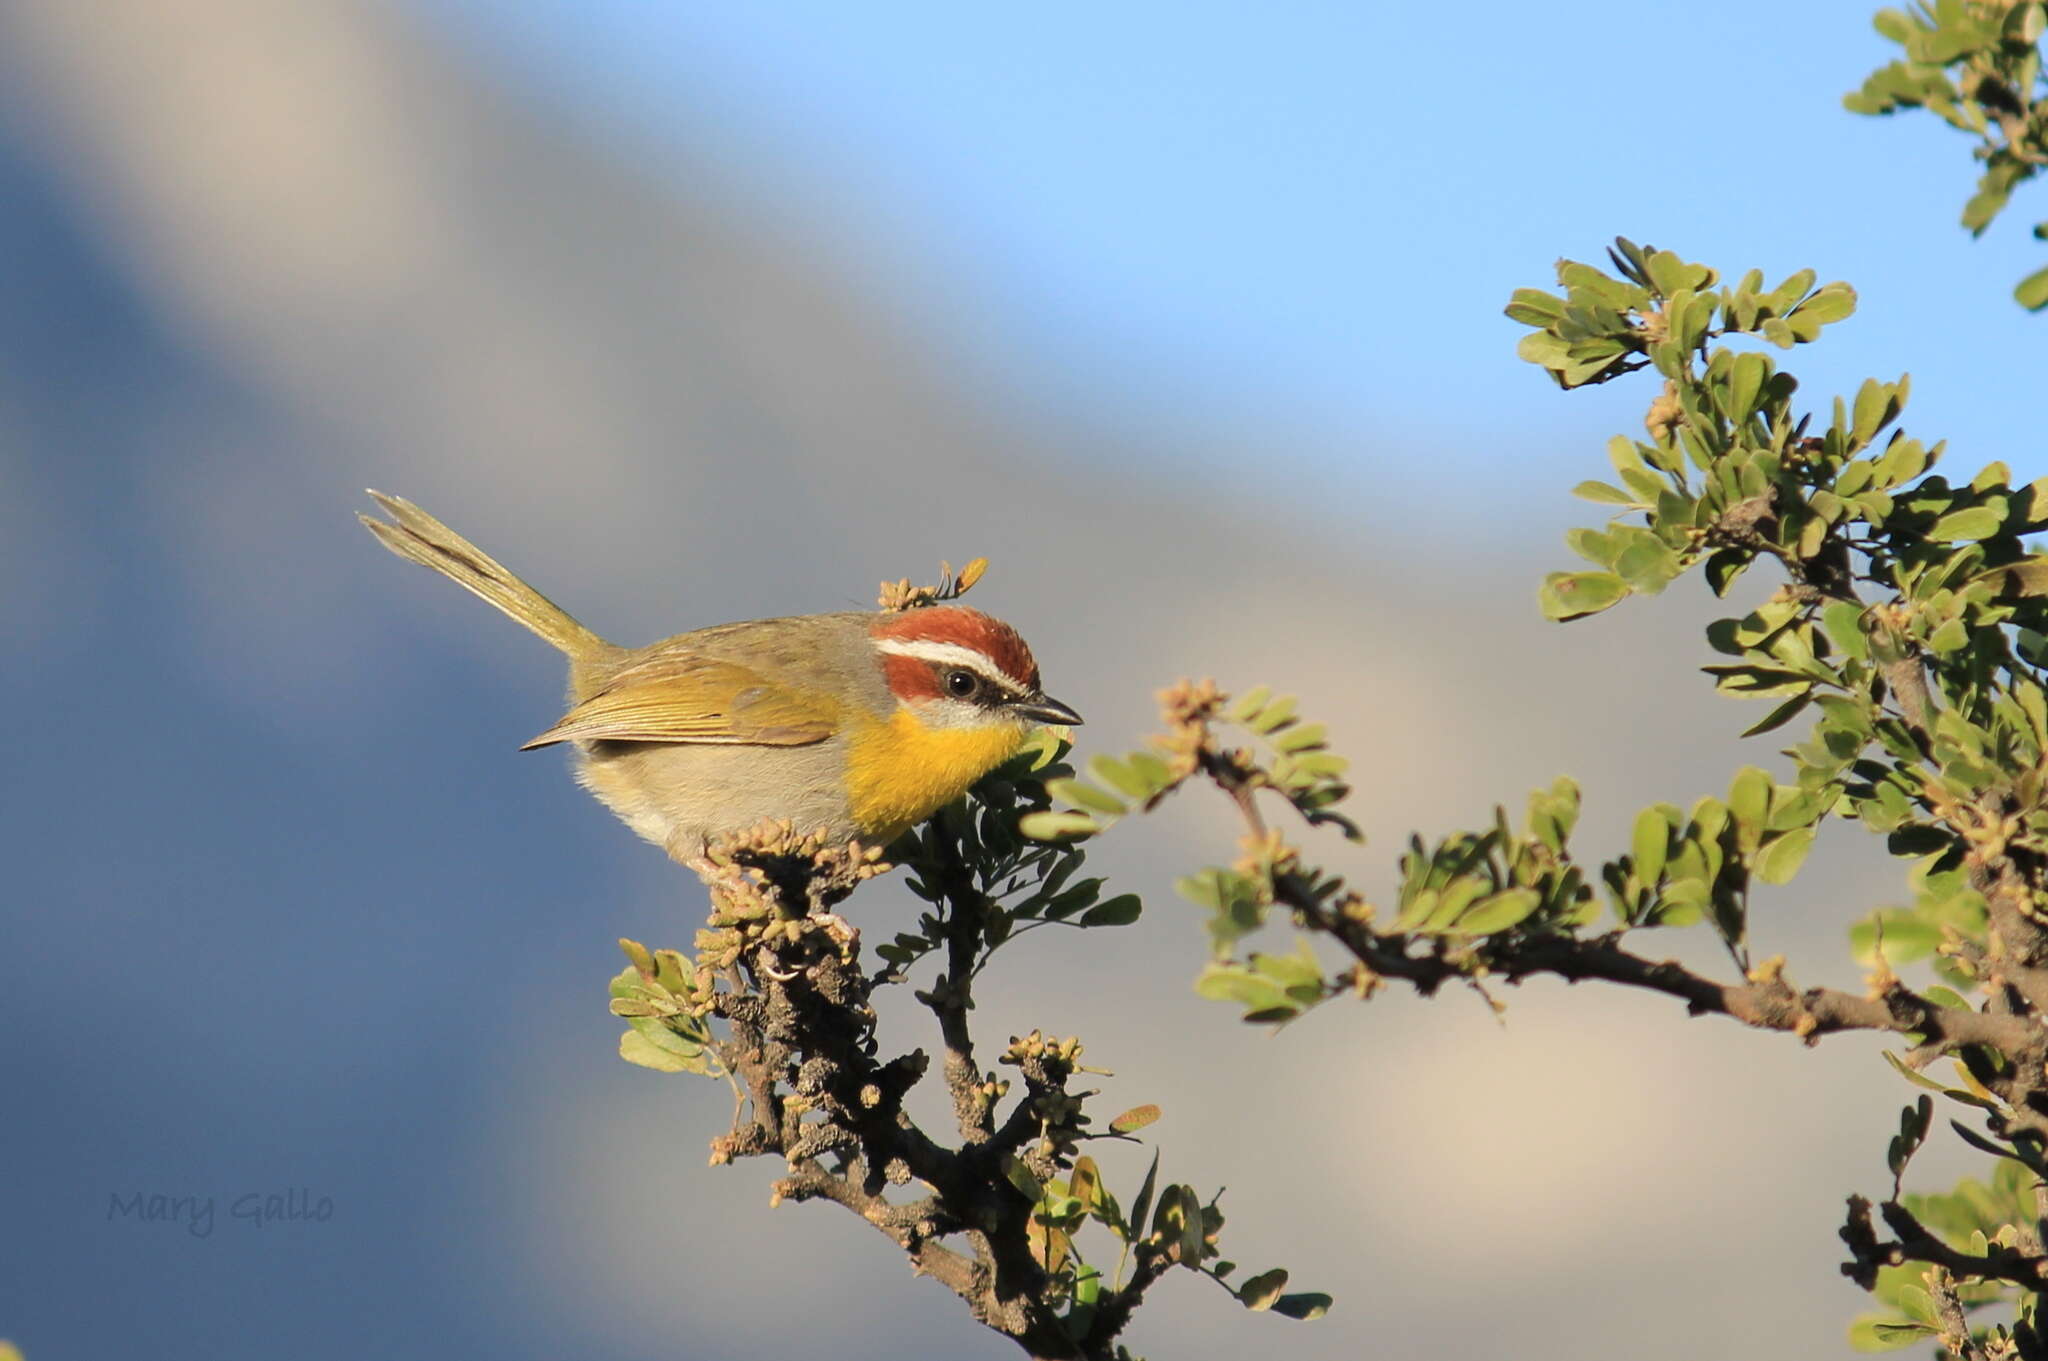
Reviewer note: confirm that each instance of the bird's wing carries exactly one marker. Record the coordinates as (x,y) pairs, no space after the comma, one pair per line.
(696,699)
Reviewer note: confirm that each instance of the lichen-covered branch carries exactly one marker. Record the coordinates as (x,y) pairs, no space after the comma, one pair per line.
(951,996)
(800,1036)
(776,1000)
(1913,1243)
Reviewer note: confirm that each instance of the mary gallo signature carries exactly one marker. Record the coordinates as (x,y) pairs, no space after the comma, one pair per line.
(197,1214)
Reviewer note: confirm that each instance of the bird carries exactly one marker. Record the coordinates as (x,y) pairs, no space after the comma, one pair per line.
(855,726)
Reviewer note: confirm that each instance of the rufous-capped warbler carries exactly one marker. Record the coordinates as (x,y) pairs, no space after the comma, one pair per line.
(855,724)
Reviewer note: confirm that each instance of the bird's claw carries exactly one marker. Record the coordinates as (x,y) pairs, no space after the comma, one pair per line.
(843,933)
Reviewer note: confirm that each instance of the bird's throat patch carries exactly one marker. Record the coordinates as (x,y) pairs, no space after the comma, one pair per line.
(900,771)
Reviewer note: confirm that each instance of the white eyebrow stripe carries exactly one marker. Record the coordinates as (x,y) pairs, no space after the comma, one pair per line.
(950,654)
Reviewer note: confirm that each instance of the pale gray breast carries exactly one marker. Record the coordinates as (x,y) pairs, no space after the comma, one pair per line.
(679,794)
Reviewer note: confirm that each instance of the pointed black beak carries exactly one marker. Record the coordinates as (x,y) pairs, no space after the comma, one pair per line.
(1045,709)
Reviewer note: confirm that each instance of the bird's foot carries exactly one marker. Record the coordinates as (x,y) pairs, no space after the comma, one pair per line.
(842,932)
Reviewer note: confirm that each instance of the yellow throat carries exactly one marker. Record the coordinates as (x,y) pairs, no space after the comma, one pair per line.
(899,771)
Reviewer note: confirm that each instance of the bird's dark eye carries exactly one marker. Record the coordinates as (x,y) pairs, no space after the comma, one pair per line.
(962,684)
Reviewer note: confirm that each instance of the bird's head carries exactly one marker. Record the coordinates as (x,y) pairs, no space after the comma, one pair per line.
(953,667)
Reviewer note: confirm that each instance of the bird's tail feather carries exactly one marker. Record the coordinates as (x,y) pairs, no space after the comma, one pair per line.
(415,535)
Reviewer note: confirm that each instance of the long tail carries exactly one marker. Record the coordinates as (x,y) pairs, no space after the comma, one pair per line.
(421,538)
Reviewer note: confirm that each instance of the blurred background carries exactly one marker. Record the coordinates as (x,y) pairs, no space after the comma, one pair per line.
(1188,319)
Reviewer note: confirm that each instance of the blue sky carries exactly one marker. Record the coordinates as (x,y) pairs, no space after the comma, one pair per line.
(1295,230)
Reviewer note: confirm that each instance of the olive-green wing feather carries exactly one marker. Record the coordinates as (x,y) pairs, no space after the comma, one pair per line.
(695,700)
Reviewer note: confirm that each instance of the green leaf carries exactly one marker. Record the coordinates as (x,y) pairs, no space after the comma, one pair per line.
(1621,452)
(1121,910)
(1151,769)
(673,972)
(1143,1203)
(1913,1123)
(1023,1178)
(1681,904)
(1791,807)
(1083,795)
(1232,900)
(1953,636)
(1261,1290)
(1919,1079)
(1496,913)
(1884,1333)
(637,1046)
(1992,477)
(1645,486)
(1573,595)
(1301,973)
(1651,840)
(1978,522)
(1983,1145)
(1647,564)
(1272,716)
(1136,1118)
(1057,825)
(1782,855)
(1843,622)
(1986,204)
(1749,798)
(1533,307)
(1724,566)
(1303,1306)
(1178,1223)
(1830,303)
(1250,703)
(1446,904)
(1068,901)
(1592,545)
(1304,737)
(1224,982)
(1745,382)
(1780,716)
(2027,577)
(1758,680)
(1877,405)
(1121,777)
(1603,493)
(1918,1304)
(643,961)
(1793,289)
(1194,1228)
(2032,291)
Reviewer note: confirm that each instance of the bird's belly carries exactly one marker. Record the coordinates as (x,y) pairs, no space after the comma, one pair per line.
(680,795)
